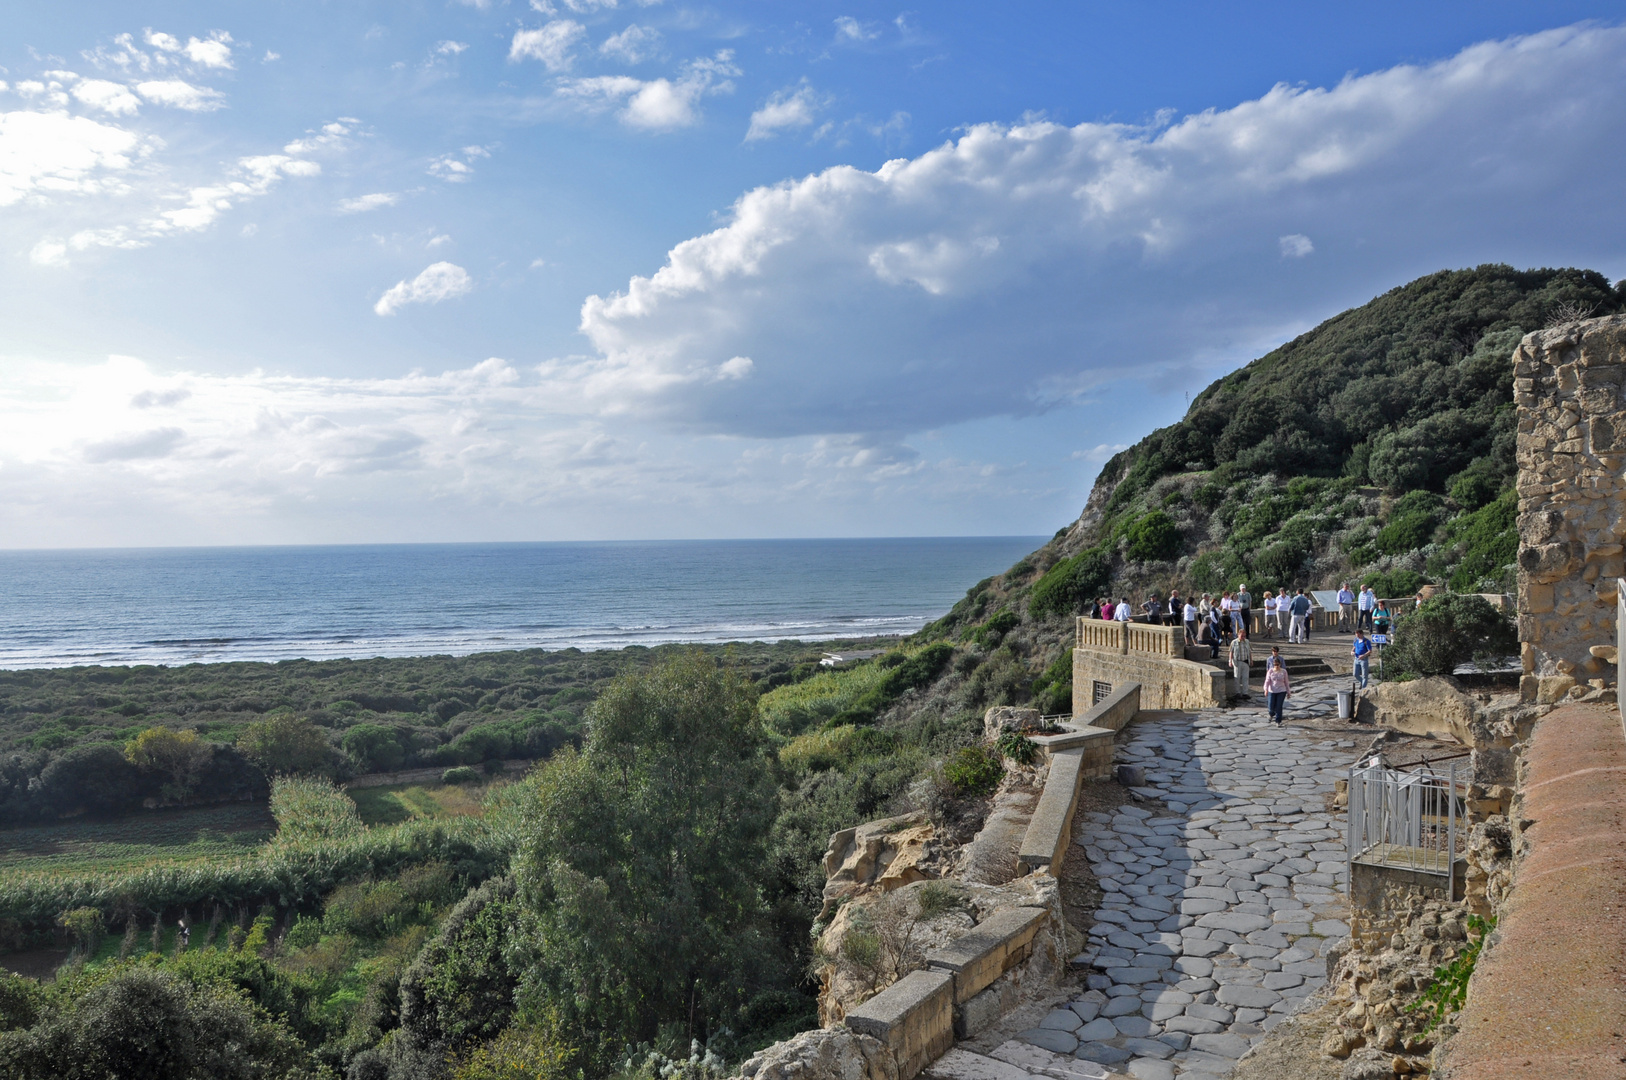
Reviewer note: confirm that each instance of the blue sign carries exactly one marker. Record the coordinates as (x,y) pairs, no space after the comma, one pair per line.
(1380,639)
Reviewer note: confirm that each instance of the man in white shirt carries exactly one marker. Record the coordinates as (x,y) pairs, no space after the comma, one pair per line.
(1189,617)
(1121,612)
(1346,609)
(1368,603)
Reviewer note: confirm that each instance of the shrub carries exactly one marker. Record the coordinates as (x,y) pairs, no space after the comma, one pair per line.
(373,748)
(1491,542)
(84,925)
(1153,537)
(994,630)
(1018,747)
(973,770)
(1449,630)
(1473,488)
(1406,532)
(308,808)
(1395,584)
(1066,586)
(461,774)
(834,747)
(285,745)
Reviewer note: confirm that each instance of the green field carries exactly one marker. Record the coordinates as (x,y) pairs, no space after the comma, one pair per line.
(391,803)
(173,836)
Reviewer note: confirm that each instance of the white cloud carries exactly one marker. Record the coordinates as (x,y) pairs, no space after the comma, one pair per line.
(136,446)
(439,281)
(52,153)
(850,29)
(450,48)
(110,97)
(551,43)
(1018,267)
(635,44)
(456,170)
(212,52)
(655,104)
(199,205)
(270,57)
(180,94)
(164,42)
(785,109)
(1295,246)
(363,203)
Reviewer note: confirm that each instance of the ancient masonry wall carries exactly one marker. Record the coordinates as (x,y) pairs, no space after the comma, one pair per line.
(1569,384)
(1115,653)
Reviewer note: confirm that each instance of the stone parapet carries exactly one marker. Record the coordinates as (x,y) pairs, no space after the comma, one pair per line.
(993,947)
(913,1018)
(1568,384)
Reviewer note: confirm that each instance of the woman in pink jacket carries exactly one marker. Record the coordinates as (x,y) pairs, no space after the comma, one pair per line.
(1276,687)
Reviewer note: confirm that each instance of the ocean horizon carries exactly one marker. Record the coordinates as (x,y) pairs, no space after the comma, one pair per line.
(126,606)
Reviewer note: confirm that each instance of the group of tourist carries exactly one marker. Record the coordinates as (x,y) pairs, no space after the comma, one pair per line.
(1226,623)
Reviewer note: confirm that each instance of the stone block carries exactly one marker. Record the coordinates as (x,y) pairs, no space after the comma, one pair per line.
(990,949)
(913,1018)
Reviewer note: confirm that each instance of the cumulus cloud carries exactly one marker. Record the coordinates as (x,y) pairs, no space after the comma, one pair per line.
(1018,267)
(109,97)
(635,44)
(363,203)
(180,94)
(1295,246)
(457,167)
(551,43)
(52,153)
(655,104)
(792,107)
(850,29)
(439,281)
(450,48)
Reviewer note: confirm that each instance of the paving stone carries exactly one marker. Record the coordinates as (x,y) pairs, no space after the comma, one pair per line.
(1086,1010)
(1148,1048)
(1281,980)
(1146,1068)
(1068,1020)
(1217,1013)
(1122,1006)
(1193,1025)
(1059,1042)
(1177,1039)
(1137,1026)
(1236,922)
(1101,1052)
(1097,1029)
(1256,997)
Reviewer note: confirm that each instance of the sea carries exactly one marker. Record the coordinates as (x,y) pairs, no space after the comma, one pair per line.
(206,605)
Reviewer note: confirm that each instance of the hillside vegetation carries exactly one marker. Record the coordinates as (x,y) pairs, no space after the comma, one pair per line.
(638,906)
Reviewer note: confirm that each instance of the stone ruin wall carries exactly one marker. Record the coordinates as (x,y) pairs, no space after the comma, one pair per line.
(1569,384)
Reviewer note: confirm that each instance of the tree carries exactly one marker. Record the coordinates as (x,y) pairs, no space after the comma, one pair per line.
(374,748)
(1449,630)
(178,757)
(286,745)
(1153,537)
(642,855)
(138,1023)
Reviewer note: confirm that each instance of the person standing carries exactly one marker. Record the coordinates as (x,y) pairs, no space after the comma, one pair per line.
(1270,614)
(1153,610)
(1276,684)
(1215,635)
(1362,648)
(1121,612)
(1176,608)
(1189,618)
(1244,608)
(1300,611)
(1381,618)
(1241,661)
(1364,605)
(1346,609)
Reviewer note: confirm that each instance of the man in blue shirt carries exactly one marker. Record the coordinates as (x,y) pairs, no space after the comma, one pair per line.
(1346,609)
(1362,648)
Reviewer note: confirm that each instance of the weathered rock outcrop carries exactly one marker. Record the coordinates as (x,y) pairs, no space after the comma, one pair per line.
(1003,718)
(877,857)
(1435,707)
(824,1054)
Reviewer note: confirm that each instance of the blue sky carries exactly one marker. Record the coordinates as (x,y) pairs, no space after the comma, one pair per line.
(573,269)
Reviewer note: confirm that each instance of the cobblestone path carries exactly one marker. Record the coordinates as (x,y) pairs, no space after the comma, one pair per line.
(1220,910)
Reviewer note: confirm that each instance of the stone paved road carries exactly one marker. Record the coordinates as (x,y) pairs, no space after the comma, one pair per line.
(1220,911)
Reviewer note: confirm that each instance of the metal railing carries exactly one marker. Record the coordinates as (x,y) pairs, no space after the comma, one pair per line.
(1406,820)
